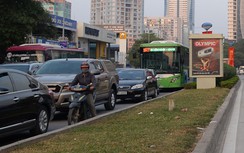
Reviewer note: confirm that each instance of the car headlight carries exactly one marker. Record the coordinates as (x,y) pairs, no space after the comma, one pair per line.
(137,86)
(65,86)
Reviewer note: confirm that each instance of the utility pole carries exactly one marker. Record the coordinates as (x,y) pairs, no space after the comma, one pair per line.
(63,19)
(148,36)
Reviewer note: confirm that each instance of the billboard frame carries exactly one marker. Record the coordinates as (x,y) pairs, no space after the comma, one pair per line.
(206,44)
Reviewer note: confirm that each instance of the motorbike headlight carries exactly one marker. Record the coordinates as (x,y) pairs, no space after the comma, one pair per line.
(137,86)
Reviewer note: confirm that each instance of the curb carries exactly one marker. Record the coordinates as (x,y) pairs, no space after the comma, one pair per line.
(35,139)
(213,135)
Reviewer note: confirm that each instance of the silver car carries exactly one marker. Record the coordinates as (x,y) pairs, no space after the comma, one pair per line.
(57,74)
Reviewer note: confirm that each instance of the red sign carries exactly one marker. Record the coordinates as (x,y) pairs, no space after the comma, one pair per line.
(231,56)
(207,32)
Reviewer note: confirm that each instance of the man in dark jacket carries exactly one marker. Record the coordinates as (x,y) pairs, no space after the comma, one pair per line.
(86,78)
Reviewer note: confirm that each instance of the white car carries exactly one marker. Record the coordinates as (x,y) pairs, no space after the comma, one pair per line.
(241,70)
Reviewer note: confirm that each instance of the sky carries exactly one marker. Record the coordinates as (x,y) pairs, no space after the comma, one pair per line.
(213,11)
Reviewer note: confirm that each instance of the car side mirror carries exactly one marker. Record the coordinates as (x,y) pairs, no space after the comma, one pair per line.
(4,90)
(95,72)
(30,72)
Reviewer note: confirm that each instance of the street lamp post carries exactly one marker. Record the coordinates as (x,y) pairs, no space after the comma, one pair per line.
(141,60)
(148,37)
(63,18)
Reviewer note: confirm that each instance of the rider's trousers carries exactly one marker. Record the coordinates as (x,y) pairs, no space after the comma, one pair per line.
(91,105)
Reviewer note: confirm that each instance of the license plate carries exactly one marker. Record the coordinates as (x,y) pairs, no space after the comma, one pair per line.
(122,93)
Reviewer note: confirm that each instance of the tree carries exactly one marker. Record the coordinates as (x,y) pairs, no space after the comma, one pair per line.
(20,18)
(134,53)
(239,53)
(226,47)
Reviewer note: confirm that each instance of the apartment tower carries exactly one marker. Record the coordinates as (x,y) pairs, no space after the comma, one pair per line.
(165,28)
(235,20)
(126,13)
(184,9)
(58,7)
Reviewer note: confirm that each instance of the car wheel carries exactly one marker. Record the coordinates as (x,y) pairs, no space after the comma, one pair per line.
(111,101)
(144,95)
(155,93)
(42,122)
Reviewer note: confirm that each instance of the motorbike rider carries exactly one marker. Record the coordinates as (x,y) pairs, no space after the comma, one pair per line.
(85,78)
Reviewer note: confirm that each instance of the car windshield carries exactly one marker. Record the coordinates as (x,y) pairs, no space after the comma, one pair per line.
(60,67)
(24,68)
(131,74)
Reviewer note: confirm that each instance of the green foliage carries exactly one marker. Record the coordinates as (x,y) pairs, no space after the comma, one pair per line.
(229,72)
(134,53)
(226,52)
(19,19)
(229,83)
(238,53)
(191,85)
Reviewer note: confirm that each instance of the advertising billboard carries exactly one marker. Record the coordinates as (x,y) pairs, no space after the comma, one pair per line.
(116,28)
(206,57)
(67,24)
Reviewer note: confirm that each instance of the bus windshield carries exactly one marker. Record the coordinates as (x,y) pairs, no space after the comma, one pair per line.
(161,62)
(170,61)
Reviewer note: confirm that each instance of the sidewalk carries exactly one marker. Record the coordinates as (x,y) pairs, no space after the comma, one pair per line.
(234,137)
(215,137)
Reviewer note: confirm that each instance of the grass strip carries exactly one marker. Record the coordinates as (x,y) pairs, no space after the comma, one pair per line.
(149,127)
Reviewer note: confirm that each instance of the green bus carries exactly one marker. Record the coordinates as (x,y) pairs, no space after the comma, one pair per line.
(170,61)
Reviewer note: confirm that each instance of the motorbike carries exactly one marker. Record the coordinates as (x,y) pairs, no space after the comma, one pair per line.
(78,109)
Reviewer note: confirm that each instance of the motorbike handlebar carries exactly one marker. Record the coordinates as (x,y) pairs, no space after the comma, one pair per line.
(80,87)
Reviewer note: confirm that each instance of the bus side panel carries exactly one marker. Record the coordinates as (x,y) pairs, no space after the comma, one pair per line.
(170,81)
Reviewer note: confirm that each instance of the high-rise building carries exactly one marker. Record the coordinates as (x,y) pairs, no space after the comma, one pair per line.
(127,13)
(58,7)
(235,20)
(165,28)
(60,12)
(184,9)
